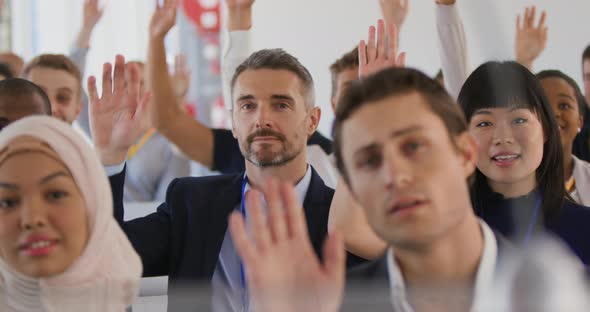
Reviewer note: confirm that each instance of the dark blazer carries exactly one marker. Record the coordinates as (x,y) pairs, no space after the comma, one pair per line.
(182,239)
(367,285)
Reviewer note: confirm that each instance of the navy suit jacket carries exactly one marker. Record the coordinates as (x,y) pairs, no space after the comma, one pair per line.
(367,285)
(182,239)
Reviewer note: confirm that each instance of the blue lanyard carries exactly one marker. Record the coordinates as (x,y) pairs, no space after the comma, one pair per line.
(529,231)
(243,211)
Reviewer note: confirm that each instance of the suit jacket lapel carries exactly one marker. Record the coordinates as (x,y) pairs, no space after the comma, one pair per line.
(317,208)
(225,201)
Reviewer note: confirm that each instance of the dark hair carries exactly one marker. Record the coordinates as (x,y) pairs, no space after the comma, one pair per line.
(350,60)
(5,70)
(439,75)
(509,85)
(392,82)
(586,54)
(55,61)
(278,59)
(552,73)
(16,88)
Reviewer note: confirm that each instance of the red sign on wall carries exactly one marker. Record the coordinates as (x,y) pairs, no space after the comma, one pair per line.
(205,14)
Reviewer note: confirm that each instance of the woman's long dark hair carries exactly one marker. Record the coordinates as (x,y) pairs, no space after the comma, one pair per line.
(509,85)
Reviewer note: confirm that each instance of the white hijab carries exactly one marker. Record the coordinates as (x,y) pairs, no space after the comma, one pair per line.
(106,276)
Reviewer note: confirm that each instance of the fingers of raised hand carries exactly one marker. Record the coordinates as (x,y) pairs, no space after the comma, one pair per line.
(276,211)
(132,86)
(92,91)
(107,82)
(371,49)
(334,257)
(542,20)
(245,247)
(119,75)
(381,39)
(392,53)
(296,222)
(260,228)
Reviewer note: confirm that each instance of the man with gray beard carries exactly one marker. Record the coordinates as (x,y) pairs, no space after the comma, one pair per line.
(273,115)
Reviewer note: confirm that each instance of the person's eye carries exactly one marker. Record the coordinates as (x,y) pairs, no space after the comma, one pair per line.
(520,120)
(8,203)
(56,195)
(370,161)
(483,124)
(63,98)
(564,106)
(412,147)
(282,105)
(247,106)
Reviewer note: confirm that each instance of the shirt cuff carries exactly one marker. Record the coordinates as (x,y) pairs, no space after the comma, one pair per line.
(114,169)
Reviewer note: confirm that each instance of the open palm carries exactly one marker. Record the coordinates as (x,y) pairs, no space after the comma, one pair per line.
(395,11)
(531,40)
(380,53)
(283,272)
(92,13)
(118,117)
(164,18)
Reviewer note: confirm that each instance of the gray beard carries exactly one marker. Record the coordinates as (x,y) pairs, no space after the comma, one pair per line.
(277,160)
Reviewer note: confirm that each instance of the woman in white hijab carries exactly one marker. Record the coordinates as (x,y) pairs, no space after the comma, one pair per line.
(60,247)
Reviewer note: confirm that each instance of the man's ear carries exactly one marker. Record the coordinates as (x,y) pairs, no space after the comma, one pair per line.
(467,149)
(314,115)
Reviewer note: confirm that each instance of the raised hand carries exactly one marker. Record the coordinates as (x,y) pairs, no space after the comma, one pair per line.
(181,77)
(395,11)
(282,271)
(530,40)
(163,19)
(376,55)
(118,117)
(92,13)
(91,16)
(239,14)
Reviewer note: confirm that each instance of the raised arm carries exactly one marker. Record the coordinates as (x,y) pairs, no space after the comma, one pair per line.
(91,15)
(190,136)
(453,46)
(530,41)
(237,44)
(395,12)
(117,119)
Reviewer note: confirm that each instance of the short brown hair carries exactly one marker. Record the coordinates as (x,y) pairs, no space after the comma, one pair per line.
(392,82)
(350,60)
(278,59)
(55,61)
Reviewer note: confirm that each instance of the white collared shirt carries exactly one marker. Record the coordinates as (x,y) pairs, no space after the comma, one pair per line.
(300,189)
(483,281)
